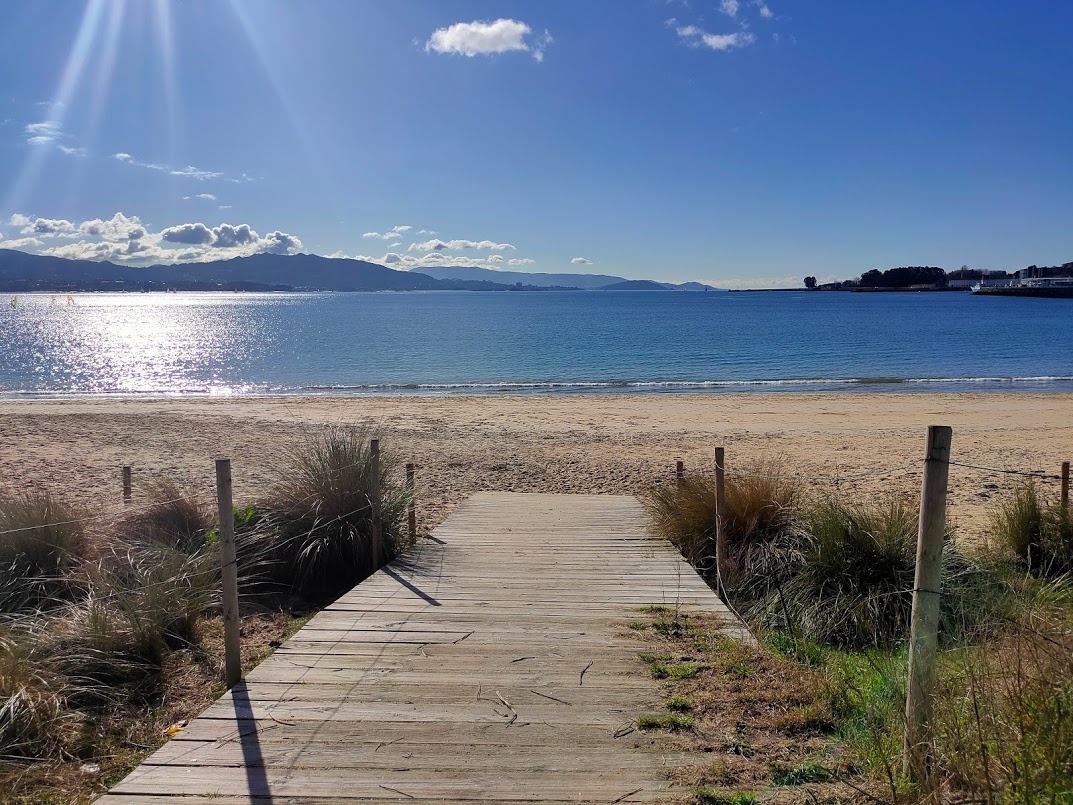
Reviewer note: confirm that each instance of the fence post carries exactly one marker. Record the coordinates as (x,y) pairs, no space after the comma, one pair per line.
(1065,484)
(228,573)
(128,485)
(924,629)
(378,534)
(720,528)
(680,473)
(411,508)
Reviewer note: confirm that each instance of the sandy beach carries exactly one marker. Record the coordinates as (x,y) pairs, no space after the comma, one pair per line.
(610,443)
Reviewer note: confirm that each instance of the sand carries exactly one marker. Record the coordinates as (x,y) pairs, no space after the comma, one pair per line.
(611,443)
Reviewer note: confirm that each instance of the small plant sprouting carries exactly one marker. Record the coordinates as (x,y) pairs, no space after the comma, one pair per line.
(709,796)
(672,722)
(679,704)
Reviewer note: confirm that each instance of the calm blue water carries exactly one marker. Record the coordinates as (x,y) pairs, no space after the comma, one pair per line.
(553,342)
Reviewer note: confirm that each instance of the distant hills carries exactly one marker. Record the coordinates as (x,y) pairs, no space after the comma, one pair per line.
(21,272)
(601,282)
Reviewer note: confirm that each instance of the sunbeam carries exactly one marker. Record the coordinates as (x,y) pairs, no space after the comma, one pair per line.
(73,73)
(166,44)
(269,54)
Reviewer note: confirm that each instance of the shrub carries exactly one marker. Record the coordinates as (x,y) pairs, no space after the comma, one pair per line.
(33,702)
(315,536)
(39,559)
(1037,531)
(176,520)
(1003,723)
(849,580)
(143,603)
(760,509)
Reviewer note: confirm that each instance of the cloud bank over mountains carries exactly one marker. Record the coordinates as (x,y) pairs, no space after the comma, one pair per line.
(124,239)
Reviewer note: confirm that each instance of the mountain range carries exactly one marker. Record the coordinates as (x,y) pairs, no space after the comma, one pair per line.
(22,272)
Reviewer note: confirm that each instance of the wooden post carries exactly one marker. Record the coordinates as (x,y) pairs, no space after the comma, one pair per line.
(1065,484)
(411,509)
(720,528)
(128,485)
(228,573)
(378,534)
(924,628)
(680,473)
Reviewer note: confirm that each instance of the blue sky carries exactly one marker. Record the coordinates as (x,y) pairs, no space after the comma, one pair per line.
(727,141)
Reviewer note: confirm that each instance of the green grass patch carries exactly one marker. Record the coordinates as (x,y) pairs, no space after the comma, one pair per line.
(809,771)
(679,704)
(673,722)
(675,671)
(710,796)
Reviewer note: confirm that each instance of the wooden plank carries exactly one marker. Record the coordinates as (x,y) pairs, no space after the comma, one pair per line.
(493,664)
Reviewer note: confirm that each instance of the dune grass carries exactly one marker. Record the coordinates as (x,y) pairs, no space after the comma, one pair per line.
(760,508)
(39,559)
(827,584)
(103,628)
(1038,531)
(314,534)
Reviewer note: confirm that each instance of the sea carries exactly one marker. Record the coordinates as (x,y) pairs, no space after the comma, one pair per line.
(530,343)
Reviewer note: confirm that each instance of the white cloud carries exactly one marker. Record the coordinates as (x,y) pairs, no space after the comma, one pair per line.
(281,243)
(202,196)
(231,239)
(71,151)
(394,232)
(195,173)
(117,229)
(581,261)
(765,12)
(729,7)
(697,37)
(189,172)
(496,258)
(20,243)
(224,207)
(46,131)
(228,236)
(48,227)
(458,245)
(18,219)
(520,261)
(728,41)
(487,38)
(191,234)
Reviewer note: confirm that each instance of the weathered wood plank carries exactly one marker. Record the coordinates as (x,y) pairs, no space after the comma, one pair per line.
(494,664)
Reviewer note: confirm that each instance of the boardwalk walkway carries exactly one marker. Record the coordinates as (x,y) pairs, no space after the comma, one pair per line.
(489,666)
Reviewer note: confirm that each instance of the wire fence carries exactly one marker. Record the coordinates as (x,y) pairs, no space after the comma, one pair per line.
(839,478)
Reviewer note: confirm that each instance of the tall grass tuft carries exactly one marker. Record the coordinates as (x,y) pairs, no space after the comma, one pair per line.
(39,558)
(34,715)
(315,535)
(850,583)
(1004,720)
(1038,532)
(760,508)
(176,520)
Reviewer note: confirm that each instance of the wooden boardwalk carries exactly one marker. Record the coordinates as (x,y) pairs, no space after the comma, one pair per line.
(491,665)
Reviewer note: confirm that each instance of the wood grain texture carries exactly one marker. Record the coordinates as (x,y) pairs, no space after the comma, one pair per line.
(493,664)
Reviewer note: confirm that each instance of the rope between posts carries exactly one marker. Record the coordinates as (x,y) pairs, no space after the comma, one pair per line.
(105,516)
(216,568)
(878,473)
(1022,473)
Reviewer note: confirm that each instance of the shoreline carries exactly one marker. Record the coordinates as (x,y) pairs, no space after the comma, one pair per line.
(1049,384)
(604,443)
